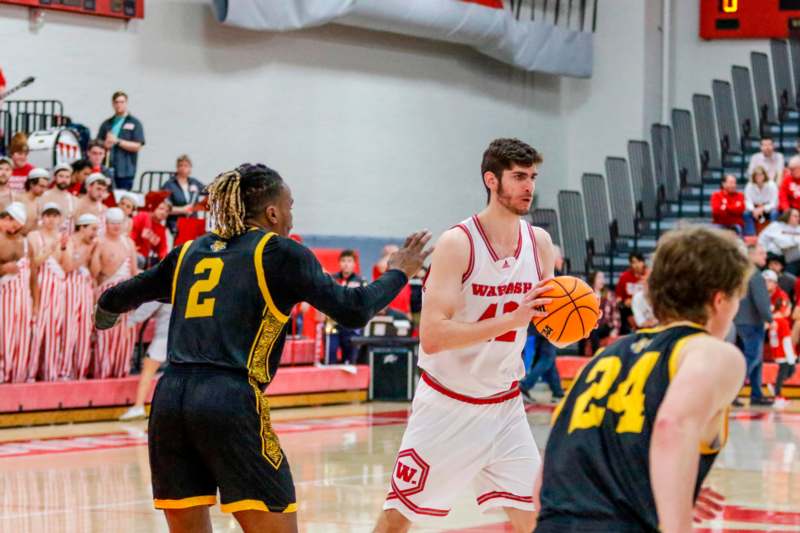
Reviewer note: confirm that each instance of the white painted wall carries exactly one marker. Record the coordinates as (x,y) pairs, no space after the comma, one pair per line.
(377,134)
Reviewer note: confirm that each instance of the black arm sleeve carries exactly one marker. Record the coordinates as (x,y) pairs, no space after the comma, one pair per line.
(298,277)
(152,284)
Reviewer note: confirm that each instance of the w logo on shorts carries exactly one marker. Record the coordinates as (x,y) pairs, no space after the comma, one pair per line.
(410,473)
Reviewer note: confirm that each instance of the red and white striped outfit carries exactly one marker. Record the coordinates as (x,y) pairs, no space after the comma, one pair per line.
(16,306)
(78,325)
(115,345)
(47,348)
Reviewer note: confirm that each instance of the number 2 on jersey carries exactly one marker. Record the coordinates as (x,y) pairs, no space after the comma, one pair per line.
(491,312)
(627,399)
(205,308)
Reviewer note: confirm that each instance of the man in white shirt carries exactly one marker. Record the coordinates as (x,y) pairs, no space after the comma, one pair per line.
(768,158)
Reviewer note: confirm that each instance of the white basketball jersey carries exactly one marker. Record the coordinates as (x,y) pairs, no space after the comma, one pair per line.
(490,287)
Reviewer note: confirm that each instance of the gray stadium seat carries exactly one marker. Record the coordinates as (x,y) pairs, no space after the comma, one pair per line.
(762,83)
(644,184)
(779,51)
(573,225)
(595,201)
(621,195)
(794,47)
(726,117)
(745,102)
(547,219)
(706,129)
(664,160)
(685,147)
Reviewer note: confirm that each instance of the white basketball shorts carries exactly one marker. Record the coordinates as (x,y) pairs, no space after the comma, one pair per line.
(453,442)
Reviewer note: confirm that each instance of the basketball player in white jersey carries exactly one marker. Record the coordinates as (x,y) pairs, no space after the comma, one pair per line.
(468,427)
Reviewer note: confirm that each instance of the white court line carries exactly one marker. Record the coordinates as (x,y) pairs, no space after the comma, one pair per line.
(100,506)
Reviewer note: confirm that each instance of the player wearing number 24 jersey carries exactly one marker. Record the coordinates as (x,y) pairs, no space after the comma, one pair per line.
(232,291)
(639,431)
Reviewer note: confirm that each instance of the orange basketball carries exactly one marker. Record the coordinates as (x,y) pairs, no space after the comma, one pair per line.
(572,313)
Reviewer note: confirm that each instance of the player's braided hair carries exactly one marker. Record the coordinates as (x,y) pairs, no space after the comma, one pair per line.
(240,194)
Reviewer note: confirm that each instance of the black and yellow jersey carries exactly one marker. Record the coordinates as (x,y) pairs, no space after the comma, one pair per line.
(596,463)
(232,298)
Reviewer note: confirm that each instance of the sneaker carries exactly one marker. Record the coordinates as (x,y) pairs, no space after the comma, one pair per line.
(761,402)
(350,369)
(780,402)
(134,413)
(526,396)
(737,403)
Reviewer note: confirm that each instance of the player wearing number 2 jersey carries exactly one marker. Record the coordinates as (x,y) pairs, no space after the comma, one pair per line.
(638,432)
(232,291)
(468,426)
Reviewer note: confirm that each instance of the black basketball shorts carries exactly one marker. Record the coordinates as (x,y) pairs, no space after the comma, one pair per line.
(210,429)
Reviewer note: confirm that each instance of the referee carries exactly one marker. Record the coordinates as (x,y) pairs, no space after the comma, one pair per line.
(232,291)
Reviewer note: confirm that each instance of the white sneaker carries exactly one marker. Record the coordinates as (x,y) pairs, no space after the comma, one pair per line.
(350,369)
(134,413)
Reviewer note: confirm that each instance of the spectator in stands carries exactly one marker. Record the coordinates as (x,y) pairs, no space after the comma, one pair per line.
(754,313)
(123,134)
(128,202)
(761,201)
(7,194)
(542,354)
(96,154)
(780,332)
(59,195)
(402,302)
(630,282)
(49,304)
(113,261)
(609,324)
(768,158)
(149,233)
(80,295)
(786,281)
(18,149)
(789,193)
(37,183)
(643,314)
(728,206)
(338,335)
(380,267)
(81,170)
(559,264)
(781,239)
(92,202)
(184,192)
(415,284)
(15,293)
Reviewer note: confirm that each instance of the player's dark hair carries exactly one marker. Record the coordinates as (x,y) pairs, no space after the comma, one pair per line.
(786,215)
(725,178)
(692,265)
(766,138)
(95,143)
(240,194)
(636,255)
(117,94)
(502,154)
(347,253)
(80,165)
(31,181)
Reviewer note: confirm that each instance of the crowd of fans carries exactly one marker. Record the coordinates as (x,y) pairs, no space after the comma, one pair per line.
(68,234)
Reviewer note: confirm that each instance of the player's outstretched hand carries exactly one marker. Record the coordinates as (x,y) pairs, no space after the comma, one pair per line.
(709,505)
(412,255)
(104,319)
(533,305)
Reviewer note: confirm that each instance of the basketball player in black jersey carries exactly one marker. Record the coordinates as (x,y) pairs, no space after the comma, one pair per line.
(232,292)
(639,431)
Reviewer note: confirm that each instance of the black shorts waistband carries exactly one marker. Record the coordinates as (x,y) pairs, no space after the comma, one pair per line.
(561,523)
(194,369)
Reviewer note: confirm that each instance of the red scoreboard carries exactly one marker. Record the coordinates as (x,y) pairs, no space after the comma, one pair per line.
(122,9)
(749,19)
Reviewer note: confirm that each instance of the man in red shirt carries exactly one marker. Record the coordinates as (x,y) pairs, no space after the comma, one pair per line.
(630,282)
(789,192)
(81,170)
(18,149)
(149,232)
(727,205)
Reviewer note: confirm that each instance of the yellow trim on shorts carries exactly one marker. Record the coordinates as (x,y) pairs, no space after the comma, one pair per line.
(185,503)
(184,248)
(254,505)
(258,257)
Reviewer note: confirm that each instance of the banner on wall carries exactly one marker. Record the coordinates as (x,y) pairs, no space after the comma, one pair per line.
(534,46)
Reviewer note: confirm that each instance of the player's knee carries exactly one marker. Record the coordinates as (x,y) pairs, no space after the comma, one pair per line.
(392,521)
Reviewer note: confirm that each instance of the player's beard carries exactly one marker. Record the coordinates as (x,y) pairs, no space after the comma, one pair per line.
(62,186)
(506,201)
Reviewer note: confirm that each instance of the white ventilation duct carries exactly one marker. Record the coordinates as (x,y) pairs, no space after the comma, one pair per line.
(529,45)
